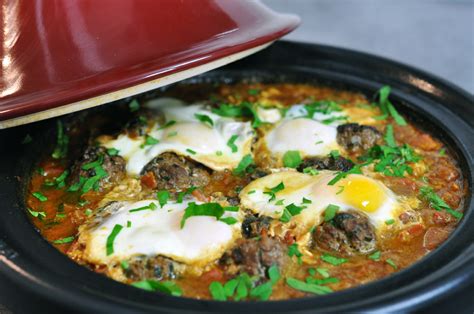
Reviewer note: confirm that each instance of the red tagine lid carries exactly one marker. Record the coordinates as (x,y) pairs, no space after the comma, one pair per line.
(63,56)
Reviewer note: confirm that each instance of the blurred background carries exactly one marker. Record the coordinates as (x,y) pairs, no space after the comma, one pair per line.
(434,35)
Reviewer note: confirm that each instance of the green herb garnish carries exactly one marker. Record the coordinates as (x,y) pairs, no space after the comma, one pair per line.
(292,159)
(64,240)
(294,251)
(330,212)
(375,256)
(231,143)
(189,150)
(39,215)
(109,245)
(204,119)
(134,105)
(168,287)
(162,197)
(333,260)
(387,108)
(112,151)
(307,287)
(427,193)
(208,209)
(151,206)
(62,142)
(272,191)
(244,165)
(40,196)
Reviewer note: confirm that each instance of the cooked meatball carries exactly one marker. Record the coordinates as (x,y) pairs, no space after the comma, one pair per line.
(348,233)
(253,226)
(326,163)
(113,165)
(357,138)
(173,172)
(255,256)
(155,267)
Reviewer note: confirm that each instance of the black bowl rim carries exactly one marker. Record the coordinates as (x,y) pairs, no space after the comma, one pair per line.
(27,271)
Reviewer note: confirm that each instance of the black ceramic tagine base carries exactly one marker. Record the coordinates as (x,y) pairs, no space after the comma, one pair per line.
(35,277)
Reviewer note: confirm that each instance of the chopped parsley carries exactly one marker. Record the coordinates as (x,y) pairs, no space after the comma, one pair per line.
(182,194)
(112,152)
(162,197)
(189,150)
(109,245)
(442,152)
(168,287)
(375,256)
(242,110)
(151,206)
(307,287)
(88,212)
(290,211)
(427,193)
(387,108)
(306,201)
(292,159)
(391,263)
(392,161)
(389,137)
(129,224)
(330,212)
(218,153)
(294,251)
(389,221)
(39,215)
(322,106)
(60,181)
(342,174)
(323,272)
(251,192)
(124,265)
(231,143)
(62,142)
(310,171)
(208,209)
(333,260)
(244,165)
(167,124)
(64,240)
(149,141)
(40,196)
(204,119)
(171,134)
(134,105)
(243,287)
(334,154)
(229,220)
(272,191)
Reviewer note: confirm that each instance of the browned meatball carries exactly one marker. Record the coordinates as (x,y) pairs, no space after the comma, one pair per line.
(357,138)
(113,165)
(254,256)
(154,267)
(253,226)
(348,233)
(326,163)
(173,172)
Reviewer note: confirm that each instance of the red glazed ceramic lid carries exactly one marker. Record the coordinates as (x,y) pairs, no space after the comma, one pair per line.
(62,56)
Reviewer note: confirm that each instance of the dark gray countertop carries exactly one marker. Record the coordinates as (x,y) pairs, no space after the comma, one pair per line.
(434,35)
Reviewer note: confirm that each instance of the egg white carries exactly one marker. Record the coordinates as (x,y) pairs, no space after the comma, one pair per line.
(158,232)
(187,136)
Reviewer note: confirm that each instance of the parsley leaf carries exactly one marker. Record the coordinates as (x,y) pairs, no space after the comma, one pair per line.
(244,165)
(150,206)
(231,143)
(40,196)
(204,119)
(330,212)
(292,159)
(333,260)
(167,287)
(62,142)
(294,251)
(163,197)
(208,209)
(389,138)
(307,287)
(64,240)
(437,202)
(272,191)
(109,245)
(375,256)
(387,108)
